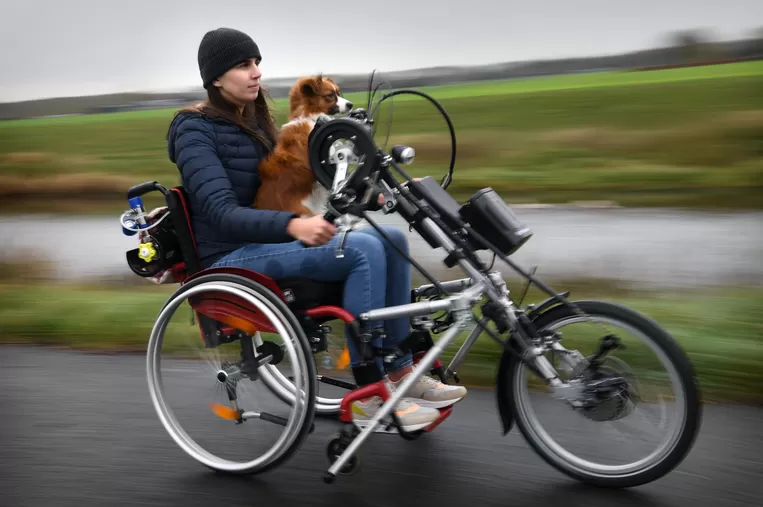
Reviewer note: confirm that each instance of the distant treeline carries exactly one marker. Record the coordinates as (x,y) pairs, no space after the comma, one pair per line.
(689,50)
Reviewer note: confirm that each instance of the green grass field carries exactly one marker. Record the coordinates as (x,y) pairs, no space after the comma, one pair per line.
(679,137)
(721,330)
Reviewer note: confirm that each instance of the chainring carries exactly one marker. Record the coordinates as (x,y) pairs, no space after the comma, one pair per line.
(340,135)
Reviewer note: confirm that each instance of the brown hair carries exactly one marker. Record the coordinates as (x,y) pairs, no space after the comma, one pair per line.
(254,119)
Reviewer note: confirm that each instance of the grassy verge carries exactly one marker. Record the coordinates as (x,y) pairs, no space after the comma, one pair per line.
(722,330)
(682,137)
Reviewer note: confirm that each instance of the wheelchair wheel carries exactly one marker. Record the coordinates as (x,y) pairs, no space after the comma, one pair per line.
(218,416)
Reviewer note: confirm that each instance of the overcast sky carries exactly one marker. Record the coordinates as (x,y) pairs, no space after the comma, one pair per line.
(81,47)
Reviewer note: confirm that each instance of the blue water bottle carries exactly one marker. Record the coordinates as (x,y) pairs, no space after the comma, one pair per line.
(136,204)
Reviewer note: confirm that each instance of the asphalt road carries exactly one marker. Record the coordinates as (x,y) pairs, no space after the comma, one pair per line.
(79,429)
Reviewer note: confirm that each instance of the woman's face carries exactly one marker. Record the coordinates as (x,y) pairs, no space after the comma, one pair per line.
(241,84)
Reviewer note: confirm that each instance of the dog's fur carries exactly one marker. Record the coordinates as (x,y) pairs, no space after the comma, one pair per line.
(286,179)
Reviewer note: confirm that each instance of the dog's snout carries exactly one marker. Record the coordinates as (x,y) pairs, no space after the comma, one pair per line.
(349,105)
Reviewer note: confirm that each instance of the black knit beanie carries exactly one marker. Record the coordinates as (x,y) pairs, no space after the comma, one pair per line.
(223,49)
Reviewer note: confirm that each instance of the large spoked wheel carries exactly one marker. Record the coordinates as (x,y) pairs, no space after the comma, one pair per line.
(643,380)
(210,395)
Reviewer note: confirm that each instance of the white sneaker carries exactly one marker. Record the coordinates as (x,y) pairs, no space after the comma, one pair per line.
(412,416)
(430,392)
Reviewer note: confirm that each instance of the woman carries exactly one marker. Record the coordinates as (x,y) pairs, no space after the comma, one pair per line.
(217,147)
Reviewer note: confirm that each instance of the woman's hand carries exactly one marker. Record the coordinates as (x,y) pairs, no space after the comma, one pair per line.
(312,231)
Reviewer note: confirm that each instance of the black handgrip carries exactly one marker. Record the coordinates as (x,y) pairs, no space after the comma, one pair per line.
(406,208)
(277,419)
(274,419)
(144,188)
(331,215)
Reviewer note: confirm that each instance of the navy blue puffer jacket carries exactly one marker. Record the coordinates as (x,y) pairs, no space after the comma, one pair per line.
(218,167)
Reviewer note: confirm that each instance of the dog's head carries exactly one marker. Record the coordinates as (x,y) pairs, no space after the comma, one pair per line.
(317,95)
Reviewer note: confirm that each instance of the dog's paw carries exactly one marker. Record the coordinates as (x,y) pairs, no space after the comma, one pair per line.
(321,119)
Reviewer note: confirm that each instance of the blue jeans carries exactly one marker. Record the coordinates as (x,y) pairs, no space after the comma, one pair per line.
(375,276)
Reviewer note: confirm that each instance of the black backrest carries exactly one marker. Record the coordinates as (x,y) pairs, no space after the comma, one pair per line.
(180,214)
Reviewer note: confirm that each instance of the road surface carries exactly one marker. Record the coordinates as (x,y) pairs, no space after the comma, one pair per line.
(79,430)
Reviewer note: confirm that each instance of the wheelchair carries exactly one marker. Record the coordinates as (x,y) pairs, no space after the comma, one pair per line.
(239,310)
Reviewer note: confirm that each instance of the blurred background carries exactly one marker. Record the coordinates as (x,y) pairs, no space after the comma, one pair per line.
(629,137)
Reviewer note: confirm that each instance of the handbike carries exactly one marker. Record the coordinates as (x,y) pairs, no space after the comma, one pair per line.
(236,306)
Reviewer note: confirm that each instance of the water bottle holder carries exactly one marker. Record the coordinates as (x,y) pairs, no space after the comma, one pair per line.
(142,268)
(158,255)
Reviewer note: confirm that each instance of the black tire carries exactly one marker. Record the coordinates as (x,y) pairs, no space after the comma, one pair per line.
(680,361)
(303,344)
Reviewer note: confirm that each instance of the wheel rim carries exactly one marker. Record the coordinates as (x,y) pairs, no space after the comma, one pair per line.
(282,387)
(297,417)
(541,437)
(285,389)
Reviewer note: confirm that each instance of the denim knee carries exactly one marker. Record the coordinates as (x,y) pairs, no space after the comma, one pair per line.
(363,242)
(369,247)
(398,238)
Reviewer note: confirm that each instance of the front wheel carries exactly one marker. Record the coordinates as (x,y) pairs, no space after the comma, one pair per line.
(596,417)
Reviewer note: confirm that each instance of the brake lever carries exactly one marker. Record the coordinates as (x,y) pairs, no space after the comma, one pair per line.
(389,198)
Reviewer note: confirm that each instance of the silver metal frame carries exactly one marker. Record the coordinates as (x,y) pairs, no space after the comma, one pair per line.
(284,389)
(460,305)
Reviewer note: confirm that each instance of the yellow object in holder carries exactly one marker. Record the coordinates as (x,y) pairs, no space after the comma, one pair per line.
(146,251)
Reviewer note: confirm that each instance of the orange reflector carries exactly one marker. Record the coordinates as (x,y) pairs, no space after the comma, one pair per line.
(344,359)
(224,412)
(238,323)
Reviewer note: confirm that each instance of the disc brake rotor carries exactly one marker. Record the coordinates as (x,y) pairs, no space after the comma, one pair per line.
(612,393)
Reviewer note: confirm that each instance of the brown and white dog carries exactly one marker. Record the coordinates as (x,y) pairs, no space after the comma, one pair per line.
(286,179)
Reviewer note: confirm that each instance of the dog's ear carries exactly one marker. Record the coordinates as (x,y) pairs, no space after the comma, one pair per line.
(308,88)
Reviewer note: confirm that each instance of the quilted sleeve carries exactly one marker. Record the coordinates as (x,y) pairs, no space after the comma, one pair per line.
(204,177)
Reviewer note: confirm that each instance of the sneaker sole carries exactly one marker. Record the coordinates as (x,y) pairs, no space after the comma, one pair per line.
(380,428)
(435,404)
